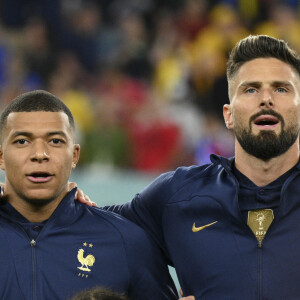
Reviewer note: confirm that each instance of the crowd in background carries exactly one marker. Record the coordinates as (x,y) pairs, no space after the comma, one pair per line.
(145,79)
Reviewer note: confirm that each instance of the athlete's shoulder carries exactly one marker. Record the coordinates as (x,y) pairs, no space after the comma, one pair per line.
(168,184)
(120,224)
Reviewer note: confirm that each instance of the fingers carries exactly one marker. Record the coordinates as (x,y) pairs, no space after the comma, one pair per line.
(185,298)
(72,185)
(89,201)
(81,197)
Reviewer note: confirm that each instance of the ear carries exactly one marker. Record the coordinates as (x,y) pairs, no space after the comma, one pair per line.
(227,114)
(76,154)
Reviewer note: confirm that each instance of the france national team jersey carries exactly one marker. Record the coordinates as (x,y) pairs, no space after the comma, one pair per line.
(79,247)
(193,214)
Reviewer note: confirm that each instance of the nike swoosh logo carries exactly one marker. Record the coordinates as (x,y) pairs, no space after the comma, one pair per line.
(196,229)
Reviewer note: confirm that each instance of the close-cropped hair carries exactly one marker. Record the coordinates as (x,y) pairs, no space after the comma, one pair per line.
(38,100)
(261,46)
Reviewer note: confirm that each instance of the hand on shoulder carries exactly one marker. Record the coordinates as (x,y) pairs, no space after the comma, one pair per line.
(79,196)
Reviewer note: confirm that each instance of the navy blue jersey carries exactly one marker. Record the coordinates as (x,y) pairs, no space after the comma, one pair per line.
(193,215)
(79,247)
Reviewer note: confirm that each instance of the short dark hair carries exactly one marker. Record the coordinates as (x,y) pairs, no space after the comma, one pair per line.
(38,100)
(99,293)
(261,46)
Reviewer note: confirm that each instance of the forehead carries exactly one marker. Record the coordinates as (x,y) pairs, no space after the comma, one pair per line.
(37,122)
(266,69)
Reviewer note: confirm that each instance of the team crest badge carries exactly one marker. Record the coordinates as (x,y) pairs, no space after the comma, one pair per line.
(85,259)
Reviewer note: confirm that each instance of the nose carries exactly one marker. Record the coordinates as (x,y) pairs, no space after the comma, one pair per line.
(39,152)
(266,99)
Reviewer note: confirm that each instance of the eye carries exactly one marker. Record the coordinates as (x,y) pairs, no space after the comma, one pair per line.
(281,90)
(57,141)
(250,91)
(21,142)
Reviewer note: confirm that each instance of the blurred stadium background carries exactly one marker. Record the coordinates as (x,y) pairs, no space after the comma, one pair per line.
(145,79)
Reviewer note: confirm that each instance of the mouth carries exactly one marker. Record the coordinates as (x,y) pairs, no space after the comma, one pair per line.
(39,177)
(266,122)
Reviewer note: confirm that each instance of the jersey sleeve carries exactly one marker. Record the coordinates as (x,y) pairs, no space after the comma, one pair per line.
(150,278)
(147,209)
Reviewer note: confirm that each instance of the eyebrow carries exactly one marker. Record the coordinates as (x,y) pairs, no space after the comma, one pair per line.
(30,135)
(246,84)
(282,83)
(258,84)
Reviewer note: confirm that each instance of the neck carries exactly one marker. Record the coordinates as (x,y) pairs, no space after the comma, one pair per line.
(34,212)
(264,172)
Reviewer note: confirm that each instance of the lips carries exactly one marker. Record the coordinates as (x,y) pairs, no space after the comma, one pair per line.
(266,120)
(39,177)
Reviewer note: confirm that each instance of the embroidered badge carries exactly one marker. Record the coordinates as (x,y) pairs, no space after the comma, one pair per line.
(259,221)
(86,260)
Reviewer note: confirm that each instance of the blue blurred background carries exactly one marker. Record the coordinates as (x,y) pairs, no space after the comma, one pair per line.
(145,80)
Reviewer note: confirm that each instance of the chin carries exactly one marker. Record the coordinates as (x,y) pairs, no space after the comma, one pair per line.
(38,201)
(270,131)
(39,198)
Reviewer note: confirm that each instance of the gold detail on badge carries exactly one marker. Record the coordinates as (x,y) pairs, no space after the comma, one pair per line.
(86,262)
(259,221)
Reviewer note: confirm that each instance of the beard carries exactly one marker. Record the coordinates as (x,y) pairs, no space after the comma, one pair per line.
(267,144)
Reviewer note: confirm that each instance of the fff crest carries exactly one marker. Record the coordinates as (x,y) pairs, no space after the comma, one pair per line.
(85,259)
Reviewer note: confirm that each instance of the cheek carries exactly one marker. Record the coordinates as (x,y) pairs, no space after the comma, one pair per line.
(63,163)
(12,161)
(239,116)
(292,117)
(14,170)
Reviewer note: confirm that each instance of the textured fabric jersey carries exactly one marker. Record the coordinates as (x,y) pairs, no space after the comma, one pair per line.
(193,214)
(79,247)
(253,197)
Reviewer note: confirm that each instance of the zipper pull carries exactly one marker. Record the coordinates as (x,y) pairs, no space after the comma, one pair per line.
(32,243)
(260,244)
